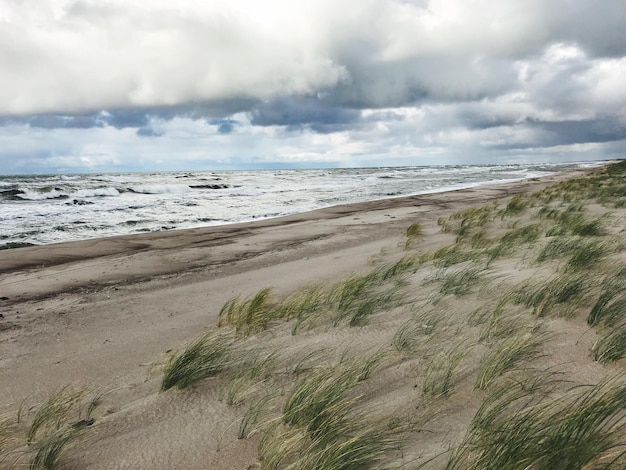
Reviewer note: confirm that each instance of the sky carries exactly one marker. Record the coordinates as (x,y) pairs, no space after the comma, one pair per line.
(136,85)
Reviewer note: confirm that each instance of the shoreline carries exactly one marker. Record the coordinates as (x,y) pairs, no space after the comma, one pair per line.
(325,244)
(59,253)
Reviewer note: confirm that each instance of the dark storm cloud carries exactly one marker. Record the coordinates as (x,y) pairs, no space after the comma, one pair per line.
(576,132)
(148,132)
(50,121)
(597,27)
(296,113)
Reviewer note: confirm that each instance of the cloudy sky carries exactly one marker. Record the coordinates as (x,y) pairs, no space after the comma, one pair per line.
(119,85)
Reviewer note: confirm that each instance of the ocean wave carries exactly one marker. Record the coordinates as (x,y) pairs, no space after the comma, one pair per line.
(160,189)
(11,194)
(96,192)
(42,194)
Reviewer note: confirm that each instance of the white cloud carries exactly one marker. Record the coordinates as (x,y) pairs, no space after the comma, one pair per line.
(161,84)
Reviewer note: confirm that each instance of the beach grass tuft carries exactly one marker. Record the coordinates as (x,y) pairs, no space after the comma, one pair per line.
(50,449)
(250,315)
(517,204)
(407,337)
(508,353)
(311,402)
(459,282)
(516,429)
(611,346)
(51,414)
(438,375)
(414,230)
(610,308)
(561,292)
(44,433)
(252,416)
(205,357)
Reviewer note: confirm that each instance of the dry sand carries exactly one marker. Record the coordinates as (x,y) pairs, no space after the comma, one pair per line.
(98,313)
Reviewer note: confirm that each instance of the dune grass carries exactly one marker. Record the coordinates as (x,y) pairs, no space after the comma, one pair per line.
(438,375)
(462,222)
(516,205)
(409,336)
(49,450)
(610,308)
(561,293)
(312,412)
(204,357)
(516,429)
(501,324)
(450,255)
(586,255)
(310,403)
(412,233)
(611,346)
(43,434)
(360,296)
(521,348)
(253,415)
(250,315)
(458,283)
(321,426)
(362,447)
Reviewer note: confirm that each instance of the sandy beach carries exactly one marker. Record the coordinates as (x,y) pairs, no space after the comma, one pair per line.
(98,314)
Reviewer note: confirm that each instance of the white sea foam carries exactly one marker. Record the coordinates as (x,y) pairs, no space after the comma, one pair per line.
(161,189)
(47,209)
(96,192)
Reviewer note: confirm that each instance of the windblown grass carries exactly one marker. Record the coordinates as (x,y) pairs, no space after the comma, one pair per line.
(582,253)
(409,336)
(253,416)
(50,449)
(562,292)
(358,297)
(413,232)
(321,426)
(611,346)
(510,241)
(250,315)
(458,282)
(361,448)
(205,357)
(610,307)
(51,414)
(454,254)
(514,429)
(501,324)
(311,403)
(356,444)
(560,247)
(587,255)
(437,378)
(43,434)
(515,206)
(526,234)
(399,268)
(11,439)
(253,368)
(464,223)
(508,353)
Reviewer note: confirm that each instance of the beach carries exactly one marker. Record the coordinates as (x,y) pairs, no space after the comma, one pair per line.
(99,313)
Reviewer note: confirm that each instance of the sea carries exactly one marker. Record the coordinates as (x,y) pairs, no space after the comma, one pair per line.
(44,209)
